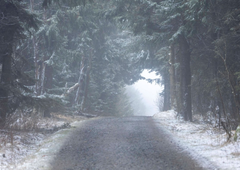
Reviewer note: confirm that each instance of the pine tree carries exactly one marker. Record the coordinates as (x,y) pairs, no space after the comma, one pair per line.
(15,20)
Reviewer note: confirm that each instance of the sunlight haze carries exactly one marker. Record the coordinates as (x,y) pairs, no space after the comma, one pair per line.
(150,92)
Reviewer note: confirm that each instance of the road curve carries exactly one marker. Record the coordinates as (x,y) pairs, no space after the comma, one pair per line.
(127,143)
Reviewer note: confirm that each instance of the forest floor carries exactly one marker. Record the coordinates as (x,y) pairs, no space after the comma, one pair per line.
(203,139)
(17,145)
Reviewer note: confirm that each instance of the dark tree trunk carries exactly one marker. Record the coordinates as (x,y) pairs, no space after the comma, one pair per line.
(5,85)
(166,101)
(186,79)
(48,77)
(7,30)
(172,78)
(178,83)
(46,69)
(46,113)
(36,58)
(85,96)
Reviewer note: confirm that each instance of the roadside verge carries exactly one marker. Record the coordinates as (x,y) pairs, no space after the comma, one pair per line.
(203,139)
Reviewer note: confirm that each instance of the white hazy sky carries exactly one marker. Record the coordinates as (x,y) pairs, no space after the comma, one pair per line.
(150,92)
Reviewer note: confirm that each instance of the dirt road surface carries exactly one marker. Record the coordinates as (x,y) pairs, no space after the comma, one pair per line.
(128,143)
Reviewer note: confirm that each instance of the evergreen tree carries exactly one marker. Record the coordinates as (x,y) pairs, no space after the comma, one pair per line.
(14,21)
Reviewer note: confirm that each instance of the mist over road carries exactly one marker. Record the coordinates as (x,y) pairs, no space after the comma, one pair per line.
(128,143)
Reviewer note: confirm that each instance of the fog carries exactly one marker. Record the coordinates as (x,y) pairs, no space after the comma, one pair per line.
(149,92)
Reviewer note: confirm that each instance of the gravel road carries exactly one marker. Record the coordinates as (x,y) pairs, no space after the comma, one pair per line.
(128,143)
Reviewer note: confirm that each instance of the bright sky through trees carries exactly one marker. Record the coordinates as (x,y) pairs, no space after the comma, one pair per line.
(150,92)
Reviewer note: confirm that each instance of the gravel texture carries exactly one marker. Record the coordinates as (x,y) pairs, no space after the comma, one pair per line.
(126,143)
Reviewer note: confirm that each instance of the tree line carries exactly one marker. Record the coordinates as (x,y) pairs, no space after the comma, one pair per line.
(194,45)
(64,55)
(82,54)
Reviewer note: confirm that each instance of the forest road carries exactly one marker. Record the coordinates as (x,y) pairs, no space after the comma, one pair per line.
(126,143)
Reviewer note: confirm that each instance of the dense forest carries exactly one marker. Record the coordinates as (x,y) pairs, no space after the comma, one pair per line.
(78,55)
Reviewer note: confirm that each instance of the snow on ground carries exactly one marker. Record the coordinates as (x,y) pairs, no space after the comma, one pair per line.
(45,153)
(29,150)
(203,139)
(33,150)
(14,152)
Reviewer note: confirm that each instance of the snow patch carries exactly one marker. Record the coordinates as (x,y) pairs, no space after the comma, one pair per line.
(30,150)
(44,153)
(204,140)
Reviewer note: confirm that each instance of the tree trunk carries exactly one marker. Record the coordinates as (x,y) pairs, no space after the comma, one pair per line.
(166,101)
(172,78)
(5,85)
(86,83)
(84,98)
(7,41)
(48,77)
(6,59)
(42,79)
(178,83)
(47,69)
(186,78)
(37,89)
(80,81)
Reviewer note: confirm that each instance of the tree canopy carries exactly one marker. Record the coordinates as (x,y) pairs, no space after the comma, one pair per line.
(81,54)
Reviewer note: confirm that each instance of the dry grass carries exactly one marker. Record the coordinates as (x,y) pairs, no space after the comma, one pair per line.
(25,131)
